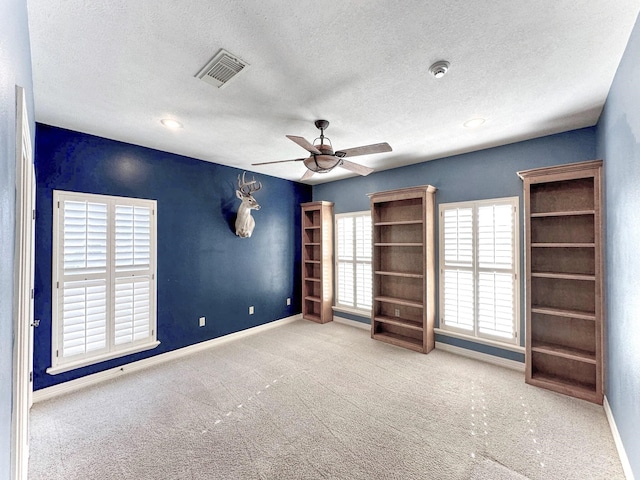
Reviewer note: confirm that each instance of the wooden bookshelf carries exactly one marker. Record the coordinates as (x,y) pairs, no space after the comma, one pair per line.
(317,261)
(564,288)
(403,311)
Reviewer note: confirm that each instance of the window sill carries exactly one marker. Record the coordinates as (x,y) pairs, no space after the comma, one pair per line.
(66,367)
(470,338)
(352,311)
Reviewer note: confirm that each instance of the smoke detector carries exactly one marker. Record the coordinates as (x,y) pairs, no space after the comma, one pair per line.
(439,69)
(222,68)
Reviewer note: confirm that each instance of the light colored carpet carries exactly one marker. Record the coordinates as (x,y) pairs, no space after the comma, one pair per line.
(308,401)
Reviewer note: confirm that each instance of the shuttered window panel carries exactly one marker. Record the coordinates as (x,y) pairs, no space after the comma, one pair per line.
(495,236)
(458,236)
(345,283)
(132,236)
(104,277)
(496,304)
(362,234)
(353,263)
(85,237)
(84,317)
(132,309)
(344,238)
(364,286)
(459,299)
(479,268)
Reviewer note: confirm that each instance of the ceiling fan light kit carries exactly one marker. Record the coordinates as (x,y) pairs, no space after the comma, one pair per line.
(323,159)
(323,163)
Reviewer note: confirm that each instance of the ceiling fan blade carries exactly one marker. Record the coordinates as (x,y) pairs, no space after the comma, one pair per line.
(354,167)
(307,174)
(280,161)
(364,150)
(304,144)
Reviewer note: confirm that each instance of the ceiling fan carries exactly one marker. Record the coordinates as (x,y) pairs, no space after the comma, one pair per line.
(323,159)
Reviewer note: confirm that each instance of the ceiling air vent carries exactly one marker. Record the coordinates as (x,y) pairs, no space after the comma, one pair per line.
(222,68)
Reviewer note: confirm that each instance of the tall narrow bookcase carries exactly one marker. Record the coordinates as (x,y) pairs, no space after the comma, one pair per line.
(564,289)
(317,261)
(403,311)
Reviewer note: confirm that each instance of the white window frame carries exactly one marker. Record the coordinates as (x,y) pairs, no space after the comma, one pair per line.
(341,304)
(483,337)
(110,276)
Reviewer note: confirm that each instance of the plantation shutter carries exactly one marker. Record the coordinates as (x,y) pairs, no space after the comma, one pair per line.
(496,306)
(459,293)
(346,279)
(133,278)
(83,289)
(132,310)
(478,268)
(104,279)
(364,282)
(353,260)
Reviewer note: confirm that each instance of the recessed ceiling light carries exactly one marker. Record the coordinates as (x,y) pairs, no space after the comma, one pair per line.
(474,122)
(171,123)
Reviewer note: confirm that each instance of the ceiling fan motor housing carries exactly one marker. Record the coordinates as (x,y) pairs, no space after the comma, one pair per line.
(322,124)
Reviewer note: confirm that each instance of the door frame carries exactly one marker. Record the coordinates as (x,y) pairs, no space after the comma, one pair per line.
(24,260)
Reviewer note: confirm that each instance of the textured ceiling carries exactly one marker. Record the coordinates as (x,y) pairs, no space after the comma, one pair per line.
(116,68)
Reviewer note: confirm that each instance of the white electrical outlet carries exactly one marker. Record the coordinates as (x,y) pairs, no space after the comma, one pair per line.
(251,310)
(202,321)
(397,312)
(288,301)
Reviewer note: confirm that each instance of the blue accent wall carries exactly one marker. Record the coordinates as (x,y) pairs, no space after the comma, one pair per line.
(204,269)
(351,316)
(490,173)
(619,145)
(15,69)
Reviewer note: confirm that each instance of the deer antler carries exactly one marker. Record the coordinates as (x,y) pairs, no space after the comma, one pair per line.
(247,188)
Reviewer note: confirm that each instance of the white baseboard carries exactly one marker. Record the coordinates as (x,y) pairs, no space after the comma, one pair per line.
(72,385)
(351,323)
(626,466)
(484,357)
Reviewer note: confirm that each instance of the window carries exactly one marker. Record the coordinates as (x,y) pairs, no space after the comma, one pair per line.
(353,261)
(104,287)
(479,294)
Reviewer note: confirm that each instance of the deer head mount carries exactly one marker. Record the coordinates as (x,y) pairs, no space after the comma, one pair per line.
(244,221)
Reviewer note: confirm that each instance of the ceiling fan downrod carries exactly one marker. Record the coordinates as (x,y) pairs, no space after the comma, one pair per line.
(326,152)
(322,124)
